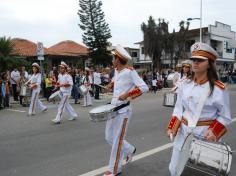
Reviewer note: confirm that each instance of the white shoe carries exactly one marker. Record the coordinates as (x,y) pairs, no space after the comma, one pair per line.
(72,118)
(55,121)
(129,157)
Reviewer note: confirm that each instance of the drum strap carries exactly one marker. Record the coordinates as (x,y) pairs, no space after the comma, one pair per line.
(121,106)
(192,120)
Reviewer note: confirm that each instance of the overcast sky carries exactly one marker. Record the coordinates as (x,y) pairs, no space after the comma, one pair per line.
(52,21)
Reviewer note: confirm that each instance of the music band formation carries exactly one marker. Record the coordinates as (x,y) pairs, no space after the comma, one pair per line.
(200,117)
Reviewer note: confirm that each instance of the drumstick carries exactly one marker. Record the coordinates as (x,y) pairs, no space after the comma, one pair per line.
(171,137)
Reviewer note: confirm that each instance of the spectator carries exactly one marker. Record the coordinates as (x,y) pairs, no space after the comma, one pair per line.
(97,82)
(1,105)
(15,76)
(77,84)
(5,90)
(24,90)
(48,85)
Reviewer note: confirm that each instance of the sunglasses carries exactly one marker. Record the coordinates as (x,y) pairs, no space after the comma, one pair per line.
(198,60)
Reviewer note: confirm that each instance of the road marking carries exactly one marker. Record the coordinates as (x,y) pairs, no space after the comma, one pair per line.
(135,158)
(15,110)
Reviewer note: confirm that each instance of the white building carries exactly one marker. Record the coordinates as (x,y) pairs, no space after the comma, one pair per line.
(222,39)
(219,36)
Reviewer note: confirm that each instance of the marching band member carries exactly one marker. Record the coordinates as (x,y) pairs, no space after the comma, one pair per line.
(87,81)
(203,107)
(126,84)
(65,84)
(177,74)
(184,75)
(35,82)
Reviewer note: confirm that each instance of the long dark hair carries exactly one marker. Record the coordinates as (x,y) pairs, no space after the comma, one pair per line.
(87,75)
(211,75)
(188,74)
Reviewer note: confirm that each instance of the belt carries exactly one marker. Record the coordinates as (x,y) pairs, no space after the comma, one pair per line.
(199,123)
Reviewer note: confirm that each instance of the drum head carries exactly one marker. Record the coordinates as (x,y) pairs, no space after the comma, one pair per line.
(54,95)
(103,108)
(184,154)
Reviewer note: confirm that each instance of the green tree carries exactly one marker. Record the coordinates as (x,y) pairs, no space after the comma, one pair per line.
(181,38)
(8,62)
(155,40)
(96,30)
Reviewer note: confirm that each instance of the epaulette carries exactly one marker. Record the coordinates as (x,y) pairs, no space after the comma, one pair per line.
(219,84)
(130,68)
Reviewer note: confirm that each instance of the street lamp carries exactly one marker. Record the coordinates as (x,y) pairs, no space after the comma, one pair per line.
(189,19)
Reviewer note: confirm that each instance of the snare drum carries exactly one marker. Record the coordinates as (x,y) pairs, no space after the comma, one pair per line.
(83,89)
(25,91)
(169,99)
(208,158)
(55,96)
(103,113)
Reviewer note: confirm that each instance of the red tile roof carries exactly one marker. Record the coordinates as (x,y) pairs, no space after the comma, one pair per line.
(68,48)
(25,48)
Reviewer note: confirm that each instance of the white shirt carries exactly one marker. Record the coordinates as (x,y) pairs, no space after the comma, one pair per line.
(217,106)
(26,75)
(36,79)
(15,76)
(87,82)
(65,79)
(124,81)
(97,78)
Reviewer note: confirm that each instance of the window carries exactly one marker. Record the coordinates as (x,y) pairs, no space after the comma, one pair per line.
(142,50)
(228,50)
(134,54)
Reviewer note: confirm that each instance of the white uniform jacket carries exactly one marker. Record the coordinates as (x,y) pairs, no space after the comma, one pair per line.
(65,79)
(35,81)
(127,80)
(215,111)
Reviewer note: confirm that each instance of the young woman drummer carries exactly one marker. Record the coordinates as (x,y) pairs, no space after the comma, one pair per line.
(35,85)
(203,88)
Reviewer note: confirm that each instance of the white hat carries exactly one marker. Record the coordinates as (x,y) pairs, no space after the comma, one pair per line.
(63,64)
(203,51)
(86,68)
(187,63)
(121,53)
(36,65)
(178,65)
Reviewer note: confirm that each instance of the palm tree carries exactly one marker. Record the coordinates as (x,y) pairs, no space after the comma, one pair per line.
(155,36)
(181,41)
(6,46)
(8,62)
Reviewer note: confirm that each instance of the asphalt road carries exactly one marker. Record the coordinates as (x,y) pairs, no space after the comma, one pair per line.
(33,146)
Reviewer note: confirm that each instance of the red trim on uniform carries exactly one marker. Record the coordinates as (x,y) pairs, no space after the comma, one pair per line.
(134,93)
(118,154)
(218,129)
(34,101)
(66,85)
(62,108)
(219,84)
(174,124)
(33,86)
